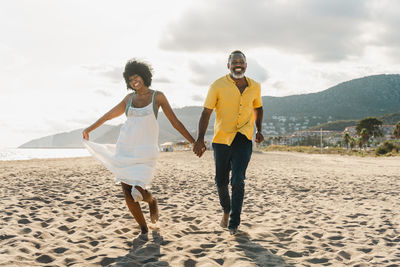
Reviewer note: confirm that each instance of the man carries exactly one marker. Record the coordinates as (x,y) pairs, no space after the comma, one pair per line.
(237,103)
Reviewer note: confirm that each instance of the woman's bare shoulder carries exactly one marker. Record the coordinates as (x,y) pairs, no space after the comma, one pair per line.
(160,94)
(126,98)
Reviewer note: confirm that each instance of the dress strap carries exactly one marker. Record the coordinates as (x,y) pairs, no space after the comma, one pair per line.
(128,104)
(154,104)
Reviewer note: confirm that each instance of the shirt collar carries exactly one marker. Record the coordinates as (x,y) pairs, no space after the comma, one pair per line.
(232,81)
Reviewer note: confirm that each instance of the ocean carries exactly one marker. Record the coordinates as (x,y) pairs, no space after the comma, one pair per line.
(41,153)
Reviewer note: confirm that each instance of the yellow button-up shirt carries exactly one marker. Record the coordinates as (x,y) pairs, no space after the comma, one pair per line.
(234,111)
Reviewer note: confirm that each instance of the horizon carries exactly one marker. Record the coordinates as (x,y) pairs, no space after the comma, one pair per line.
(328,125)
(61,62)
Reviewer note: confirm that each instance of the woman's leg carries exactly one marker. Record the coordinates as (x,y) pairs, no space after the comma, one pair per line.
(134,208)
(153,203)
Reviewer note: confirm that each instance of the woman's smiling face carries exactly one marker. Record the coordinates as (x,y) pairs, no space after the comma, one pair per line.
(136,82)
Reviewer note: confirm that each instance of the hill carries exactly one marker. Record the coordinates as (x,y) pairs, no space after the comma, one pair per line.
(335,108)
(355,99)
(71,139)
(387,119)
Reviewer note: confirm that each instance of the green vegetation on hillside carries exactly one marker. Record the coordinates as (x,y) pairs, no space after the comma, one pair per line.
(317,150)
(355,99)
(340,125)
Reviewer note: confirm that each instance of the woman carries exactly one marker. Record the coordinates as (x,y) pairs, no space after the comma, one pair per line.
(133,158)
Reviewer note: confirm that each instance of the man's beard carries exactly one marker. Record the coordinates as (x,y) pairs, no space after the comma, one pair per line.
(237,75)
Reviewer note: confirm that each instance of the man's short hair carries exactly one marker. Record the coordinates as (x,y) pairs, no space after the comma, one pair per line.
(236,52)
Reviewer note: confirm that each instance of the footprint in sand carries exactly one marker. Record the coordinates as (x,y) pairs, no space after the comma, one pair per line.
(44,259)
(344,255)
(207,245)
(189,263)
(60,250)
(292,254)
(318,260)
(24,221)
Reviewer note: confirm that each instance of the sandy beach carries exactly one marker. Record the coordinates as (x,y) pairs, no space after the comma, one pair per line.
(299,210)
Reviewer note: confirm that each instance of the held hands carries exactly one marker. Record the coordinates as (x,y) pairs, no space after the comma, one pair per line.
(259,137)
(85,134)
(199,148)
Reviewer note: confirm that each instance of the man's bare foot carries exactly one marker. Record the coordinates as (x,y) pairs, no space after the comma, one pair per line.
(233,231)
(224,221)
(153,207)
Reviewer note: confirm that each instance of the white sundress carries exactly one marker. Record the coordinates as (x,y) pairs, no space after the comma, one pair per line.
(133,158)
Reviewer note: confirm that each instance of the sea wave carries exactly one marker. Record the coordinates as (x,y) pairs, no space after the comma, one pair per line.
(41,153)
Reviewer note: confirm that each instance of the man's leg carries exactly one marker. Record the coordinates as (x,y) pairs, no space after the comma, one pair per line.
(222,158)
(241,154)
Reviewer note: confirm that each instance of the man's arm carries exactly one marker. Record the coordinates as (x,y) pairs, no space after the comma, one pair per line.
(259,112)
(199,146)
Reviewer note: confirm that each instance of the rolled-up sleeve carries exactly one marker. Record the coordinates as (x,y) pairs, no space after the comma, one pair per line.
(211,99)
(257,101)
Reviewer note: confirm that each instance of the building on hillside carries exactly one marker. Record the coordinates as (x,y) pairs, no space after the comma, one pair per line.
(330,137)
(175,146)
(351,130)
(386,129)
(167,147)
(182,146)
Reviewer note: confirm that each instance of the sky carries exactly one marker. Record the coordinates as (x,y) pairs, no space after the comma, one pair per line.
(61,62)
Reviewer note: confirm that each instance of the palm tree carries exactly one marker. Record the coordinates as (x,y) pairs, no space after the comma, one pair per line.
(346,139)
(359,142)
(372,125)
(364,135)
(352,143)
(396,130)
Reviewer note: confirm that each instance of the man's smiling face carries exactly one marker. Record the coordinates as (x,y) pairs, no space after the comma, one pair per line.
(237,66)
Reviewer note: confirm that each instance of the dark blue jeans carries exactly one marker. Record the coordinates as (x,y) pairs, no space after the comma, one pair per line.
(233,158)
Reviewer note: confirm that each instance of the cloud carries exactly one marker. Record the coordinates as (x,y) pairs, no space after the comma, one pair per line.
(102,92)
(198,98)
(204,73)
(320,30)
(280,85)
(162,80)
(114,74)
(10,58)
(384,23)
(256,71)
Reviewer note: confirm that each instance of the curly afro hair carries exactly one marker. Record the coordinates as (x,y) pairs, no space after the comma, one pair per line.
(135,67)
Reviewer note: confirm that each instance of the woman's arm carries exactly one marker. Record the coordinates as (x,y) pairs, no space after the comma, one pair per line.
(162,101)
(116,111)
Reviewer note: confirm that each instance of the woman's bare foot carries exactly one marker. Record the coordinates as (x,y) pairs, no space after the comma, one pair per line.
(144,230)
(144,235)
